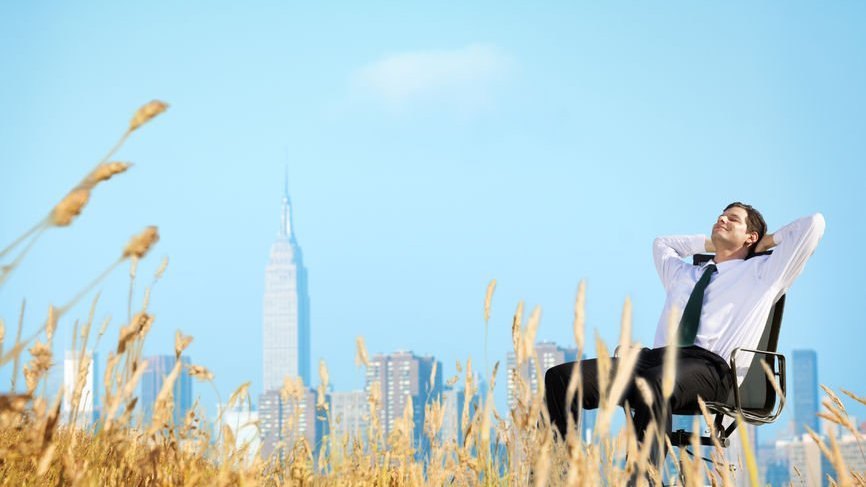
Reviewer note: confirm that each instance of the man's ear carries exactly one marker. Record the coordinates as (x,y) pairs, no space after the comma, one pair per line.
(752,238)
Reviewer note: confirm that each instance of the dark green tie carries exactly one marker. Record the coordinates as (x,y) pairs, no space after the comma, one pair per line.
(688,329)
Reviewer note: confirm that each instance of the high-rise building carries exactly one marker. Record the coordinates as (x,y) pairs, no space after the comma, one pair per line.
(402,375)
(77,366)
(735,453)
(350,414)
(549,355)
(852,456)
(804,460)
(808,466)
(454,400)
(285,420)
(242,419)
(158,369)
(286,308)
(449,432)
(778,474)
(805,376)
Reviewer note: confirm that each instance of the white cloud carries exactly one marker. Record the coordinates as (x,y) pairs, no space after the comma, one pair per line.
(462,76)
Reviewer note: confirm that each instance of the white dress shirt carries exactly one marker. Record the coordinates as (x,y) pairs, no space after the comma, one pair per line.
(738,299)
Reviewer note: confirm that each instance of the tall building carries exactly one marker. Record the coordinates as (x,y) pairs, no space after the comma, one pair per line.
(158,369)
(242,419)
(286,308)
(852,457)
(286,420)
(454,400)
(804,460)
(451,418)
(349,414)
(736,454)
(805,376)
(402,375)
(549,355)
(778,473)
(75,366)
(808,466)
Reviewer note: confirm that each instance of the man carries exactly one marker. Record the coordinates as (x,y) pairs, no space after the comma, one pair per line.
(724,305)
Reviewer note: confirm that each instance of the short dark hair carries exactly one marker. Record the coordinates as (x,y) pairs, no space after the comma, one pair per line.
(754,223)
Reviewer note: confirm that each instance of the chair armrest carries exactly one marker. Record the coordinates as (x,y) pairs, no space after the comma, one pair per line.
(780,383)
(616,350)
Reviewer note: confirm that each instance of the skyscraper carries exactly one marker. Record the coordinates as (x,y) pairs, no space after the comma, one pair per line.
(402,375)
(242,419)
(158,369)
(454,400)
(349,415)
(549,355)
(285,420)
(74,368)
(286,313)
(805,375)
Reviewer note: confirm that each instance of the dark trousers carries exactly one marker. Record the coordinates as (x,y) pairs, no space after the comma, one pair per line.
(699,372)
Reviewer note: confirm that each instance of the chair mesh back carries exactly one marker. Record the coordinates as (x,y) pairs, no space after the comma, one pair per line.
(756,391)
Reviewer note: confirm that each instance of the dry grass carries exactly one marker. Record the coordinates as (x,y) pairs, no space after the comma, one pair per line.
(515,447)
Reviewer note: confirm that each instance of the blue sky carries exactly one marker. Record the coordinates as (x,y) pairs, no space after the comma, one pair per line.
(430,149)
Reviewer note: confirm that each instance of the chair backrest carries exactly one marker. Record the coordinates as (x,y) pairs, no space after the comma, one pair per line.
(757,393)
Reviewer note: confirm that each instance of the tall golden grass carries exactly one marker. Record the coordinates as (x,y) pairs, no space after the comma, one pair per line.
(515,447)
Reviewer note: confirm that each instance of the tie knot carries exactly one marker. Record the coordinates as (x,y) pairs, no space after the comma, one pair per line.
(708,272)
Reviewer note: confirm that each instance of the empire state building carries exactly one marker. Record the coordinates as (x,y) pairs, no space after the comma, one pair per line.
(286,320)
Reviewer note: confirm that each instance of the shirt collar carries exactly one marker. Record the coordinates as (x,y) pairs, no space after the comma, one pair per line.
(728,264)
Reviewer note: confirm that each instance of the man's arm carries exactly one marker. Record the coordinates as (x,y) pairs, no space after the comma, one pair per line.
(795,243)
(668,254)
(767,242)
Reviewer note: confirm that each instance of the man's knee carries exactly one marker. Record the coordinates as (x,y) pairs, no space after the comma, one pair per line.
(555,376)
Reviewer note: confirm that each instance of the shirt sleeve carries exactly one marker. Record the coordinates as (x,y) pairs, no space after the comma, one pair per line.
(668,254)
(795,243)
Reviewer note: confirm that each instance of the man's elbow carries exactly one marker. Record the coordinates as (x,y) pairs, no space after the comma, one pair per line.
(817,224)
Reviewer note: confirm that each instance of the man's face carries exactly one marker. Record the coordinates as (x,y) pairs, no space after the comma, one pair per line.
(730,228)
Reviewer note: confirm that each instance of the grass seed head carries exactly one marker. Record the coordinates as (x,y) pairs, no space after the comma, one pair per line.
(104,172)
(200,373)
(38,365)
(323,373)
(70,207)
(180,343)
(146,113)
(361,356)
(488,298)
(138,327)
(293,388)
(51,324)
(580,315)
(161,270)
(139,244)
